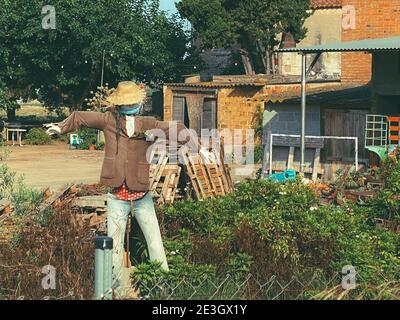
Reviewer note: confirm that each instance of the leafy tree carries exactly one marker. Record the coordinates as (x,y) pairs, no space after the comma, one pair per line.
(61,66)
(251,26)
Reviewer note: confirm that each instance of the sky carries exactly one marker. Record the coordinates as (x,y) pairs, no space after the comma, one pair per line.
(168,5)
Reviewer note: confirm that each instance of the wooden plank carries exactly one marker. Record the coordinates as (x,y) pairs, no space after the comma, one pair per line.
(93,202)
(55,198)
(290,158)
(311,143)
(316,165)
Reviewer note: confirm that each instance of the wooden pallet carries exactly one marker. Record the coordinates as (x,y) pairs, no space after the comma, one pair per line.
(164,178)
(207,179)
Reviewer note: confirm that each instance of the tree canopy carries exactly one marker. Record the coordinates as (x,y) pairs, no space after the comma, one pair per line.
(252,25)
(61,66)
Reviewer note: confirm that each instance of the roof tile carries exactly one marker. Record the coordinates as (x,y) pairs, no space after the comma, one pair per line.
(326,4)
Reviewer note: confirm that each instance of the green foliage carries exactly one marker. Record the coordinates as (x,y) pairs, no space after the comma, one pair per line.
(265,228)
(88,137)
(12,187)
(386,204)
(37,136)
(60,67)
(253,24)
(7,180)
(24,198)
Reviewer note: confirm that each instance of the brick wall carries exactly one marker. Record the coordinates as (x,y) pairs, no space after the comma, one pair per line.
(374,19)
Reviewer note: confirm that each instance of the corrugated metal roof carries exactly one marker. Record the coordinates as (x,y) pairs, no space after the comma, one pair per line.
(217,84)
(379,44)
(326,4)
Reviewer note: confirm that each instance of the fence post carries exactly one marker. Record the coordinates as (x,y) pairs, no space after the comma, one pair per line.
(103,268)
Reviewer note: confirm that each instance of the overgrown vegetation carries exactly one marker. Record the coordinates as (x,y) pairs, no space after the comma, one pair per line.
(37,136)
(31,240)
(58,241)
(264,229)
(269,229)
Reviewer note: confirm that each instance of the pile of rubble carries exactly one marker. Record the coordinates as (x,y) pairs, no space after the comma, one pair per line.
(357,187)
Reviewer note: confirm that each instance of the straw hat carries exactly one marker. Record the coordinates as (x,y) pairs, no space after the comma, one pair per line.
(127,93)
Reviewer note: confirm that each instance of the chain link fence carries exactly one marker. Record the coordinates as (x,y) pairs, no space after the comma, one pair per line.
(231,288)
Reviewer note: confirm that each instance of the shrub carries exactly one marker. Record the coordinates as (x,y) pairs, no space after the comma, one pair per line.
(64,244)
(37,136)
(270,229)
(24,198)
(88,137)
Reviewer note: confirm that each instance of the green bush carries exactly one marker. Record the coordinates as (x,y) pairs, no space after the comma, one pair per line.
(88,137)
(265,228)
(37,136)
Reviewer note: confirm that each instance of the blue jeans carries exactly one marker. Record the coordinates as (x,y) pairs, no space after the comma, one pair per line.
(118,212)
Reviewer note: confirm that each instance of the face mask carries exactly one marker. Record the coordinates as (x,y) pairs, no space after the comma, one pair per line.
(130,110)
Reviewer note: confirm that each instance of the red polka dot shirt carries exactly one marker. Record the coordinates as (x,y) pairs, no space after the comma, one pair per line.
(123,193)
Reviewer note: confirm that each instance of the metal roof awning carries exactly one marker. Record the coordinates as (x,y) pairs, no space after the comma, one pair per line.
(368,45)
(217,85)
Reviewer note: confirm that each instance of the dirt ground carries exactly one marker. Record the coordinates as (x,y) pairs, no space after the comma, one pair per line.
(55,165)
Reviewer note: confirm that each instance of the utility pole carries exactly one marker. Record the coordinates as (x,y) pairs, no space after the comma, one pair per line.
(102,68)
(303,111)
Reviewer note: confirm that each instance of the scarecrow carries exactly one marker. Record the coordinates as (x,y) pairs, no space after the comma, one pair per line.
(125,167)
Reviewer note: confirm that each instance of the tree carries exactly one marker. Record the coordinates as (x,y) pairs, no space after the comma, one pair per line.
(252,26)
(61,66)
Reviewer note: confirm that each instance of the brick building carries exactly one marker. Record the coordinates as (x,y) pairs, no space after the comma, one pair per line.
(228,102)
(373,19)
(329,23)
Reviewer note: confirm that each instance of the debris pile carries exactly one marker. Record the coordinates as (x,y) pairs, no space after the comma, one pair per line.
(356,187)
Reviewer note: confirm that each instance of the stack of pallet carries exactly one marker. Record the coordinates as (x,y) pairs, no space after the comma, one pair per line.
(207,178)
(164,178)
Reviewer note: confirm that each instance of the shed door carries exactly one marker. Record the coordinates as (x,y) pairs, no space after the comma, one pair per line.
(344,123)
(209,115)
(178,113)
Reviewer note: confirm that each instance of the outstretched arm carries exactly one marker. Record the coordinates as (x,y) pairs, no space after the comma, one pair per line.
(178,131)
(78,119)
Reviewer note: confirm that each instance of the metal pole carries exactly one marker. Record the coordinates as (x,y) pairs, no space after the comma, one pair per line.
(102,68)
(303,111)
(356,153)
(271,141)
(103,268)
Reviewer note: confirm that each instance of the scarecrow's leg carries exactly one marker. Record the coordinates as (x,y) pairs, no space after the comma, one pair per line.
(117,217)
(146,217)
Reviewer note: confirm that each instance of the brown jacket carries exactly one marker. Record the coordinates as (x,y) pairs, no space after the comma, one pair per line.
(127,162)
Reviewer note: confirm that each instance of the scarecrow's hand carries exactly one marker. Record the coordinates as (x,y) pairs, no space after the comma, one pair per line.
(149,135)
(52,129)
(207,156)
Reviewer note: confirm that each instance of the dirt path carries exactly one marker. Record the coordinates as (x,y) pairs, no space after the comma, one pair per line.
(55,165)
